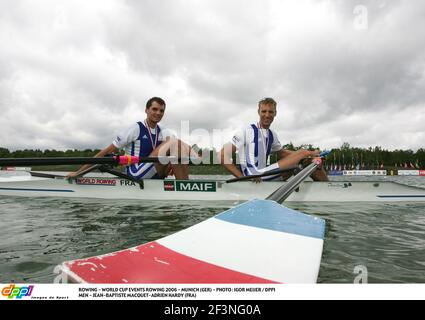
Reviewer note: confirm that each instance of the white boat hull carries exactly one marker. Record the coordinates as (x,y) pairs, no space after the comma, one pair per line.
(107,187)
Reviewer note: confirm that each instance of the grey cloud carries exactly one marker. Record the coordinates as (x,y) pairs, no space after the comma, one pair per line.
(370,70)
(206,44)
(212,61)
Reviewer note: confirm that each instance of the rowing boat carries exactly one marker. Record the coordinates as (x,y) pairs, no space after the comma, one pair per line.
(106,186)
(259,241)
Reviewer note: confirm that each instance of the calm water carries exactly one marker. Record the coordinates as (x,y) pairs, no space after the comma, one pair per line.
(38,234)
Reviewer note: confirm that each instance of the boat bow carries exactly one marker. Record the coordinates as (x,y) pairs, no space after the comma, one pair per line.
(258,241)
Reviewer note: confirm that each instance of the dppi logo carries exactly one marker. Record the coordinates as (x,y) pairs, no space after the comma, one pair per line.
(16,292)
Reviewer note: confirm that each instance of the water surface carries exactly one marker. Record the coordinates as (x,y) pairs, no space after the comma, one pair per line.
(39,233)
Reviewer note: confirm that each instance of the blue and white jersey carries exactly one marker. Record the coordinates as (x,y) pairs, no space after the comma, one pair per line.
(140,140)
(254,145)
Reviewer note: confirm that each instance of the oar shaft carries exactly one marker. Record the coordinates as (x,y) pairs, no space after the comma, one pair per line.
(284,191)
(46,175)
(21,162)
(115,160)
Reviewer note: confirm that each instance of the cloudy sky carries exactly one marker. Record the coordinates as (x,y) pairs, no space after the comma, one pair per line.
(74,72)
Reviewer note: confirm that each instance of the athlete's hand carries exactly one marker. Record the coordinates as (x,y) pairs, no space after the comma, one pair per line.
(257,180)
(315,153)
(71,175)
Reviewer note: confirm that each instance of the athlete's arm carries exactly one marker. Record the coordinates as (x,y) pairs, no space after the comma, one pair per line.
(108,150)
(226,159)
(282,153)
(306,153)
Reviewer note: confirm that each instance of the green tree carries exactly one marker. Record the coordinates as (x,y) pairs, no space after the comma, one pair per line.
(4,153)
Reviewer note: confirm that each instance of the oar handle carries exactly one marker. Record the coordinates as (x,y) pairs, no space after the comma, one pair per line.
(324,153)
(128,160)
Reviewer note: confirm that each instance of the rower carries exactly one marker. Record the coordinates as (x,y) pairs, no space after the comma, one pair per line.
(147,138)
(256,142)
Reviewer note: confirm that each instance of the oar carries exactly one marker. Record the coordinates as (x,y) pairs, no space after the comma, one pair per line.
(45,175)
(272,172)
(114,160)
(100,167)
(57,176)
(89,169)
(284,191)
(265,174)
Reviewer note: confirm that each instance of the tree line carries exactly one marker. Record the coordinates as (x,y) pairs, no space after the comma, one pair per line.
(376,158)
(347,157)
(344,158)
(29,153)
